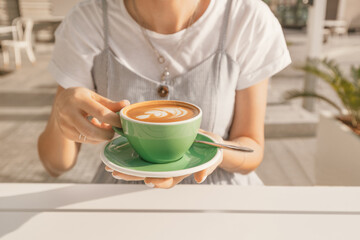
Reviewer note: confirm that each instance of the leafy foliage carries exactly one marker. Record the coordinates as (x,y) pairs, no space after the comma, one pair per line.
(347,90)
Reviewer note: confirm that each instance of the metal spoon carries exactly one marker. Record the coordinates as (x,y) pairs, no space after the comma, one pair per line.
(243,149)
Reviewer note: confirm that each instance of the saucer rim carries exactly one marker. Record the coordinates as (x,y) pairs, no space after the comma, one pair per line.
(163,174)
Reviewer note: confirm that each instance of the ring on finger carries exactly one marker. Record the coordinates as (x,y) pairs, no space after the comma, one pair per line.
(82,136)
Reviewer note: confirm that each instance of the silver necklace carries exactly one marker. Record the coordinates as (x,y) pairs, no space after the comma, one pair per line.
(163,90)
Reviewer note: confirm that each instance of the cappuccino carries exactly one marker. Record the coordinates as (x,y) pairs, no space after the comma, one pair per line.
(160,131)
(161,111)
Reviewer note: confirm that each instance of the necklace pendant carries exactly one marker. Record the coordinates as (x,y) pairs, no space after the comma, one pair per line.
(165,75)
(163,91)
(161,59)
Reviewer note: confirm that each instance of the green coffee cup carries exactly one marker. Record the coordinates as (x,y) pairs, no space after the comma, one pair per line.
(157,137)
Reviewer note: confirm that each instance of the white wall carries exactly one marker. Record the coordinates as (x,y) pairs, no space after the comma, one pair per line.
(62,7)
(349,10)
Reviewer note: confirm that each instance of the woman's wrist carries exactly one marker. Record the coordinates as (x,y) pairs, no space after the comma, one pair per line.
(55,150)
(228,163)
(242,162)
(44,155)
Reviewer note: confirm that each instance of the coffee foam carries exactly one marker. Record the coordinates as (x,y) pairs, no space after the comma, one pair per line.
(164,112)
(161,111)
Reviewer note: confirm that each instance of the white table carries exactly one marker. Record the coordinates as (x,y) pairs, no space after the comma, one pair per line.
(68,211)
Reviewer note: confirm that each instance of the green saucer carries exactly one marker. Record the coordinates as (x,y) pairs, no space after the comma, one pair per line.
(120,156)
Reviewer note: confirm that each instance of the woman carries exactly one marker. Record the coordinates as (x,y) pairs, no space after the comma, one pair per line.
(216,54)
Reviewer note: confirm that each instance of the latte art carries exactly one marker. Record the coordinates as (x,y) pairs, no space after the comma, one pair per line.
(168,112)
(162,112)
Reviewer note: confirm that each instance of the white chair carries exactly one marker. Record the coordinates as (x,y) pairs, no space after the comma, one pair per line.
(22,39)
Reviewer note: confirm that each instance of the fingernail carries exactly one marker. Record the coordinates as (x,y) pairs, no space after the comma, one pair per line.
(116,177)
(204,178)
(150,185)
(126,102)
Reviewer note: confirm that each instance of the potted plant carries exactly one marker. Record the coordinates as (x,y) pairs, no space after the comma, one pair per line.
(337,160)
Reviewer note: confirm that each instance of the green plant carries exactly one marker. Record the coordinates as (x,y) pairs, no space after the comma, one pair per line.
(347,90)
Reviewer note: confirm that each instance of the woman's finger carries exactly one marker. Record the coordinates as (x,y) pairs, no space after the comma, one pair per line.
(99,124)
(200,176)
(159,182)
(113,106)
(179,179)
(86,128)
(97,110)
(74,135)
(164,182)
(121,176)
(202,131)
(109,169)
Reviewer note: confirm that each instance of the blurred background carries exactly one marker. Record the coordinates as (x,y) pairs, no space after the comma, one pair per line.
(306,143)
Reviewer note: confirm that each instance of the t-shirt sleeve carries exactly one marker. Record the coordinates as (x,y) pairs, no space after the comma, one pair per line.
(77,41)
(265,53)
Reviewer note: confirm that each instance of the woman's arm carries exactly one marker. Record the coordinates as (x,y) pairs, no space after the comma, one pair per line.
(57,153)
(247,129)
(59,144)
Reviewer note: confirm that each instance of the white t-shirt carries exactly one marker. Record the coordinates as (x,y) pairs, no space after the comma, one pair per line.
(254,40)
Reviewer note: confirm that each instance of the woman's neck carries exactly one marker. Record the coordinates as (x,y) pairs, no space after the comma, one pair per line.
(166,16)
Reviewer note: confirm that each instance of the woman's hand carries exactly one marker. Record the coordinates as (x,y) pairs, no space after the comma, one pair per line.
(72,109)
(172,181)
(68,126)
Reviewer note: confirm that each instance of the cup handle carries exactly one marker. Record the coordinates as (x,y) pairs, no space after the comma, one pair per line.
(119,131)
